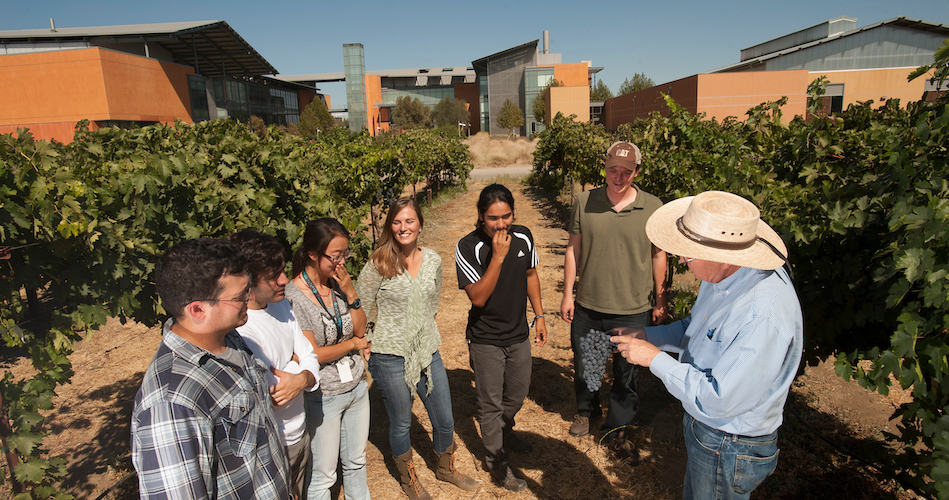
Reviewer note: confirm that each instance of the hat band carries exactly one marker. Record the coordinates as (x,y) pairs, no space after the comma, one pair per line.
(704,240)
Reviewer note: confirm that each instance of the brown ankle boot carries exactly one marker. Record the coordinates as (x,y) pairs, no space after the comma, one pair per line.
(409,479)
(446,471)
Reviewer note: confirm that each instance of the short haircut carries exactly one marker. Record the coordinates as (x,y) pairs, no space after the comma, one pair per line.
(266,256)
(192,269)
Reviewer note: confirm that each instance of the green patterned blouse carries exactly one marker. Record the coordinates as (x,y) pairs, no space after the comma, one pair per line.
(405,314)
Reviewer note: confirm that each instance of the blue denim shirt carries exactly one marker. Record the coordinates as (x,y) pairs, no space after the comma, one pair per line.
(739,352)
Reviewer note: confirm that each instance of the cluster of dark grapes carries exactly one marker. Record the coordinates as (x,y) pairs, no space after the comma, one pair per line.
(595,348)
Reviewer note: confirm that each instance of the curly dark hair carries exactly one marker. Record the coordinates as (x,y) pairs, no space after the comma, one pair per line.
(266,255)
(192,269)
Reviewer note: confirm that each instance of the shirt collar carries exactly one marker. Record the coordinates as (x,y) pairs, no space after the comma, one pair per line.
(190,352)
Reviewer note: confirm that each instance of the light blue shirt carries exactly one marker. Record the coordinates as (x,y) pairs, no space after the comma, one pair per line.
(739,351)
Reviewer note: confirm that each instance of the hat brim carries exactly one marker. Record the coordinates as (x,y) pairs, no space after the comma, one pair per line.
(632,166)
(662,231)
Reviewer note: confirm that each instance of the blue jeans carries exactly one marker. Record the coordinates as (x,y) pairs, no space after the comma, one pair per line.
(388,373)
(725,466)
(624,394)
(339,428)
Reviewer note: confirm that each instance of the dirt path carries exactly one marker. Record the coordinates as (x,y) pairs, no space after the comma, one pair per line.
(90,419)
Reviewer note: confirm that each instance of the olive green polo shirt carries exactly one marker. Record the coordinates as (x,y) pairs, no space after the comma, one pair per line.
(615,264)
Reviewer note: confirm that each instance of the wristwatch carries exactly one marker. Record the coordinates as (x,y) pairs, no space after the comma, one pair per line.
(356,304)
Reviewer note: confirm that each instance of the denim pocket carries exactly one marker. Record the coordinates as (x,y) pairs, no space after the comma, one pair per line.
(751,470)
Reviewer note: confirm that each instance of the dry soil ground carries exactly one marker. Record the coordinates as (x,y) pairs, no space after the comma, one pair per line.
(90,422)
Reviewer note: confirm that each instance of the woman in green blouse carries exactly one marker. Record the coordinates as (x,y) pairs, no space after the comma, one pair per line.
(403,281)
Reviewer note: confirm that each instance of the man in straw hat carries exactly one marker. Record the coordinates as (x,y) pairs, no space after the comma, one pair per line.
(619,270)
(740,348)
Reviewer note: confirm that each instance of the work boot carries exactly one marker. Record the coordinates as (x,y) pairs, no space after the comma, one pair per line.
(512,442)
(623,449)
(446,471)
(580,426)
(409,479)
(504,475)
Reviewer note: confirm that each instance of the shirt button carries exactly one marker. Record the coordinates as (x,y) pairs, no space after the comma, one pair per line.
(242,408)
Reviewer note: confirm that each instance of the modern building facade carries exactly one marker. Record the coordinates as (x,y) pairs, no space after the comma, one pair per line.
(518,74)
(137,75)
(861,64)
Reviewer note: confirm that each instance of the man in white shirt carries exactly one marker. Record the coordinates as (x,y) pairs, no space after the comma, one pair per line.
(273,335)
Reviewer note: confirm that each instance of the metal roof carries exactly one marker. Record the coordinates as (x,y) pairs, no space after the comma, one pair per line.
(212,47)
(903,22)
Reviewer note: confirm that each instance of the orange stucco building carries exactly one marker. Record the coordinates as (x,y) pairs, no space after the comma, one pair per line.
(135,75)
(860,64)
(48,92)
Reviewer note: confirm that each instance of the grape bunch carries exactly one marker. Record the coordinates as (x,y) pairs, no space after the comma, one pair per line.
(595,349)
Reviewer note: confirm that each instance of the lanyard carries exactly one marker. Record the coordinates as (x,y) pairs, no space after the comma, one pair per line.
(337,318)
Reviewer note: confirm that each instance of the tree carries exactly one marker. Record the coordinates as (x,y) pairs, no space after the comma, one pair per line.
(510,116)
(540,104)
(600,92)
(409,112)
(314,119)
(640,81)
(448,113)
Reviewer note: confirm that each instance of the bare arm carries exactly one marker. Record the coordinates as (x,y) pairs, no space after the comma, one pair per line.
(533,294)
(571,261)
(659,268)
(330,353)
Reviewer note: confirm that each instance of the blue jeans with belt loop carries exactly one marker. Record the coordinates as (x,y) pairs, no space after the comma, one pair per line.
(725,466)
(388,373)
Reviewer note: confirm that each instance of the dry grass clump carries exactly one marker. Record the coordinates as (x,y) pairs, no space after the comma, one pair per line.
(487,151)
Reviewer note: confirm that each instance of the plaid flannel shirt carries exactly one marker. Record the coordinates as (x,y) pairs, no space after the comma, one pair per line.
(204,428)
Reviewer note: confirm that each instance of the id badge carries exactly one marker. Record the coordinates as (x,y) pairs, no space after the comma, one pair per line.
(345,373)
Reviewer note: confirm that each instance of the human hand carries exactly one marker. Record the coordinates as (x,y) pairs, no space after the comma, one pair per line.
(360,343)
(367,351)
(636,350)
(500,244)
(660,312)
(566,308)
(288,386)
(540,338)
(344,280)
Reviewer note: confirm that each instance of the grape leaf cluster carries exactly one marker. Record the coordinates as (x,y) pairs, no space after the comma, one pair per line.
(595,349)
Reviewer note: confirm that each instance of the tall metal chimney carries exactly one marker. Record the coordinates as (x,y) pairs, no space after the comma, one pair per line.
(546,42)
(52,25)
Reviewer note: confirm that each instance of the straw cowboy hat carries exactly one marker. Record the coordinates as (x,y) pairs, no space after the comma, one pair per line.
(718,227)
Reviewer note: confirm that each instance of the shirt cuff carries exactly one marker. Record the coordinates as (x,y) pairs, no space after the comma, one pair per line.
(662,364)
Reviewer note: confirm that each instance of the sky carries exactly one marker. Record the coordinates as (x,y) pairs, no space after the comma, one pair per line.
(663,40)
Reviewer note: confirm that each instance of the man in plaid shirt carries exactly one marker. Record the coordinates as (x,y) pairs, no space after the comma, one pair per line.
(203,425)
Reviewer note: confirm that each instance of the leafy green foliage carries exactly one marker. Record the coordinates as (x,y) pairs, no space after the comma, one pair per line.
(639,82)
(862,200)
(600,92)
(83,224)
(315,119)
(510,116)
(409,113)
(449,112)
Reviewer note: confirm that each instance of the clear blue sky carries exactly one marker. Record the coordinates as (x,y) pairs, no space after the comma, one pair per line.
(665,40)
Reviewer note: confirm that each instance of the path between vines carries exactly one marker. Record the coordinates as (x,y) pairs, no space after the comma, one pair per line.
(90,421)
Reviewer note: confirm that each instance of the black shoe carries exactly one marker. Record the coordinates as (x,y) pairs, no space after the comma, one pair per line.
(623,450)
(512,442)
(504,475)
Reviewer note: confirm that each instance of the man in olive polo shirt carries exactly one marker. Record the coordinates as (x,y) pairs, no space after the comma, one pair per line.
(618,269)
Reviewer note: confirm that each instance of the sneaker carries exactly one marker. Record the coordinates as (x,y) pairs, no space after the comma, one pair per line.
(623,450)
(580,426)
(511,441)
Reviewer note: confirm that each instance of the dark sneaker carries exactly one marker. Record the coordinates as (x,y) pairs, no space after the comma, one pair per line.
(623,450)
(580,426)
(512,442)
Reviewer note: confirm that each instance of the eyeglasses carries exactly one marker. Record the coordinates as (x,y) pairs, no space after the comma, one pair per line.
(339,258)
(244,300)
